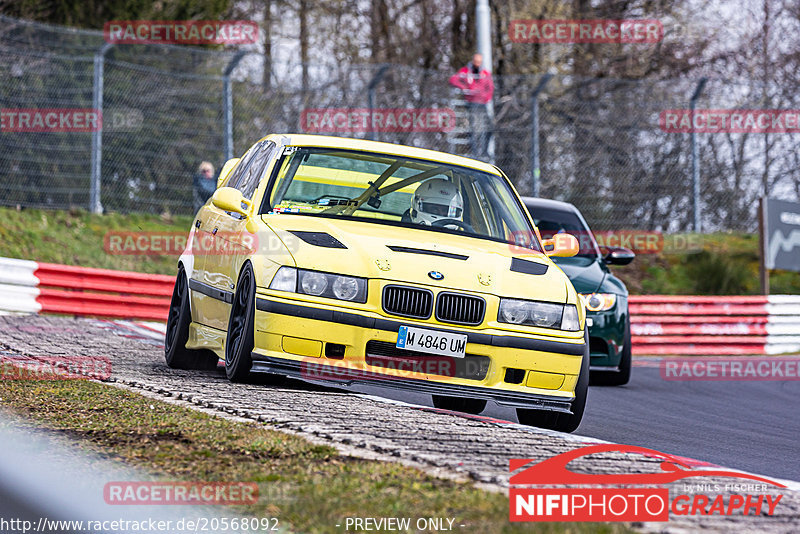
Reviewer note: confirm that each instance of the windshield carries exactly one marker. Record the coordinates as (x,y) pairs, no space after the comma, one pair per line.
(389,189)
(553,221)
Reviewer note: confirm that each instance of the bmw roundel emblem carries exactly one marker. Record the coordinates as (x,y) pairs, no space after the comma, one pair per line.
(436,275)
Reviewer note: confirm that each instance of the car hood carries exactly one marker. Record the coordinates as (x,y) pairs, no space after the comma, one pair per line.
(486,268)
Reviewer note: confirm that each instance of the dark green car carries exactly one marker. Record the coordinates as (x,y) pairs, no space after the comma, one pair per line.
(605,295)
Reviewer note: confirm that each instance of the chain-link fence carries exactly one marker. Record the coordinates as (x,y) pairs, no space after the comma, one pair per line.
(599,141)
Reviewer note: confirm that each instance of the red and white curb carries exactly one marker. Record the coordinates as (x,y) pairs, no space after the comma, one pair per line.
(715,325)
(660,324)
(28,287)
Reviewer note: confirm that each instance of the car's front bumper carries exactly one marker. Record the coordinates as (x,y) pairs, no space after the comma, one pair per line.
(607,336)
(294,338)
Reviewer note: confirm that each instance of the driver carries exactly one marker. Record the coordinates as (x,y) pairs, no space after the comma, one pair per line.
(434,200)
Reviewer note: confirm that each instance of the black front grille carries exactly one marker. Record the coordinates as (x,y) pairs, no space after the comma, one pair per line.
(460,309)
(404,361)
(408,301)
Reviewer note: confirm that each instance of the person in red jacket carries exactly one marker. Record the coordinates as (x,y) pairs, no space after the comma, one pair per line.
(477,87)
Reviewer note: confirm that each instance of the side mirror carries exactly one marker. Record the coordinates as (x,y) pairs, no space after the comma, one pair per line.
(230,199)
(561,246)
(226,170)
(618,256)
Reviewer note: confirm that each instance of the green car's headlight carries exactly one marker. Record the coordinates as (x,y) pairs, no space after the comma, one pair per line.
(319,284)
(543,314)
(598,301)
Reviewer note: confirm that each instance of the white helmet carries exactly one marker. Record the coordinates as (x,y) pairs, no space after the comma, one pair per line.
(436,199)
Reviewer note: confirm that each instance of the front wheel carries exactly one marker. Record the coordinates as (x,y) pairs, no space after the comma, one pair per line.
(239,343)
(563,422)
(178,320)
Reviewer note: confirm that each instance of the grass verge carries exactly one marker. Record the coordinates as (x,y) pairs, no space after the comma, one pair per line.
(310,488)
(76,237)
(726,265)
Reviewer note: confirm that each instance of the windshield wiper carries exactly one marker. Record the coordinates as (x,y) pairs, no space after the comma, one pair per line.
(372,190)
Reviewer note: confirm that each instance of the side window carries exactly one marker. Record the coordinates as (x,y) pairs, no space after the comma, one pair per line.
(247,182)
(236,175)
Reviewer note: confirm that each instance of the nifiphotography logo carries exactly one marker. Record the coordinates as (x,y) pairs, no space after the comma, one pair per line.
(631,496)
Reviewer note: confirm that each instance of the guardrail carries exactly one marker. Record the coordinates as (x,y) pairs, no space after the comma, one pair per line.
(660,324)
(711,325)
(32,287)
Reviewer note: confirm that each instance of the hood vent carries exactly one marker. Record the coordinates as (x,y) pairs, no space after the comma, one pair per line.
(318,239)
(518,265)
(411,250)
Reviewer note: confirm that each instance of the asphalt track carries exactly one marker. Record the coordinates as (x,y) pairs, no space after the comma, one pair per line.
(749,425)
(739,425)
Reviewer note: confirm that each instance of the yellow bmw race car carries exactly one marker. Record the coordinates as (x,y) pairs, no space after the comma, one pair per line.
(351,261)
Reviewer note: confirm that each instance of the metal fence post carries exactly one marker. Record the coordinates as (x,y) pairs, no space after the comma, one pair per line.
(535,166)
(373,83)
(95,204)
(483,32)
(227,103)
(695,162)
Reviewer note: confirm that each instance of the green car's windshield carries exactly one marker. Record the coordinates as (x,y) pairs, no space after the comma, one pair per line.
(552,221)
(394,190)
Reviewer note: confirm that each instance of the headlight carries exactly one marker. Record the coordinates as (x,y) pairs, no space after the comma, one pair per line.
(569,321)
(599,301)
(313,283)
(285,279)
(544,314)
(334,286)
(513,311)
(345,287)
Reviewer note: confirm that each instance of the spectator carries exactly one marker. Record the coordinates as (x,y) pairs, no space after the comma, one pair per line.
(204,184)
(477,87)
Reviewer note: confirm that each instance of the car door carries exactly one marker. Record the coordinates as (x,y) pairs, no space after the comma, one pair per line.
(213,290)
(201,240)
(232,241)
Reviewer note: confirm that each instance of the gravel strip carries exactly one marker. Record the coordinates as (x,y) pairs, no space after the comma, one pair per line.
(441,443)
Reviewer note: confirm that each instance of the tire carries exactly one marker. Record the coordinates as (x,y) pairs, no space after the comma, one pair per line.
(459,404)
(623,375)
(239,343)
(563,422)
(178,320)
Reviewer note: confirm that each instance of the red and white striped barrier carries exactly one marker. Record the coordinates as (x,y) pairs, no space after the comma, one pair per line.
(659,324)
(33,287)
(715,325)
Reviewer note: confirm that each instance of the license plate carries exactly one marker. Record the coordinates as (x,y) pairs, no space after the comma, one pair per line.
(432,341)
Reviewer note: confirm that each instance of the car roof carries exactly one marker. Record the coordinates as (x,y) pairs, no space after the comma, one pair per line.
(347,143)
(550,204)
